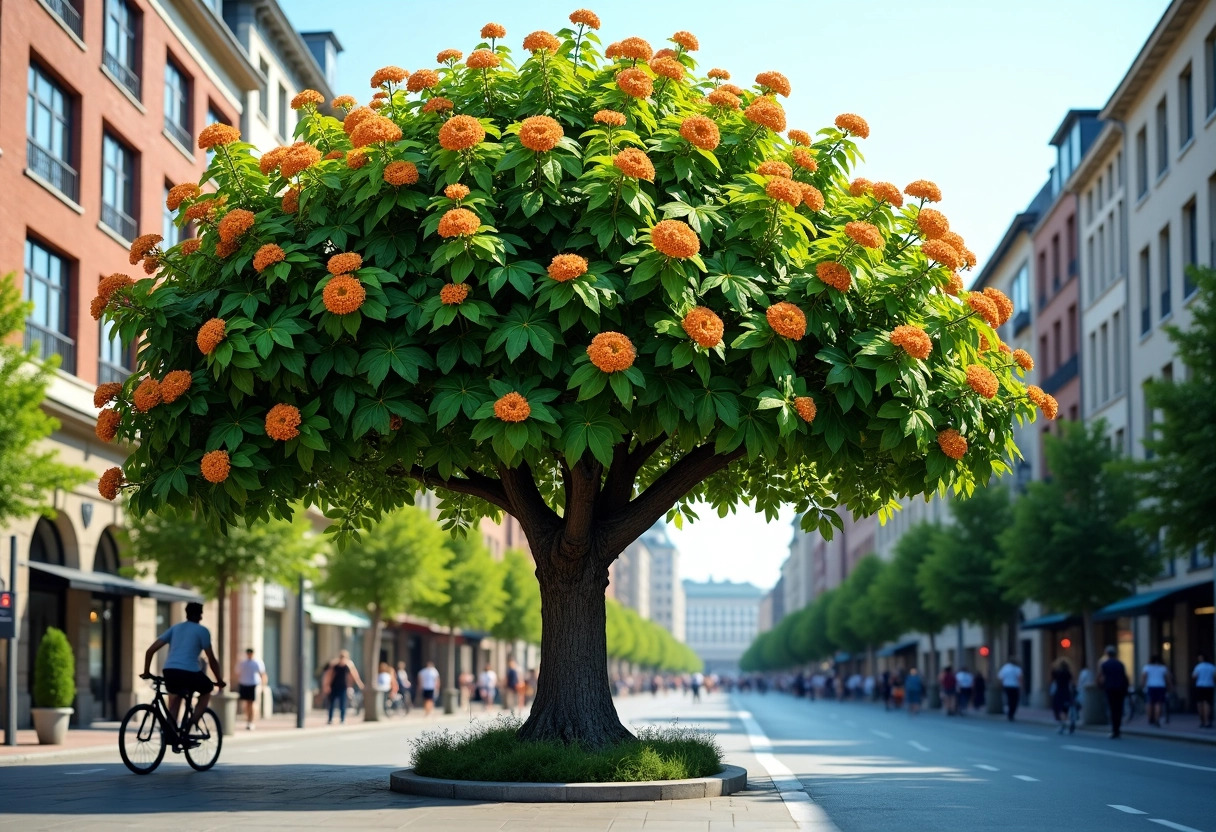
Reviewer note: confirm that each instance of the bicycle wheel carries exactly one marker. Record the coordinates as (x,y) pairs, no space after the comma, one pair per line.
(209,737)
(141,740)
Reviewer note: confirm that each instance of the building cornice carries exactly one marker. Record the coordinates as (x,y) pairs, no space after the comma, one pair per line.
(290,47)
(217,38)
(1169,29)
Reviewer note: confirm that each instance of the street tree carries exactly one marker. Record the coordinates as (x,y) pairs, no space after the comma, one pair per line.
(397,566)
(1072,545)
(521,600)
(898,592)
(28,472)
(851,622)
(820,642)
(871,619)
(585,289)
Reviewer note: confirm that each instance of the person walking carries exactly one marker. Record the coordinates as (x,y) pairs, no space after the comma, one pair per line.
(1061,693)
(428,682)
(1155,679)
(1204,675)
(966,683)
(885,687)
(386,686)
(335,687)
(404,687)
(949,685)
(914,691)
(698,679)
(1010,675)
(514,682)
(487,685)
(1112,678)
(249,674)
(980,688)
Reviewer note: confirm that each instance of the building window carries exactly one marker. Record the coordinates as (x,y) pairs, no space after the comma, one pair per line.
(118,187)
(48,288)
(1209,61)
(213,118)
(1058,347)
(1055,262)
(1102,272)
(1094,398)
(1163,243)
(283,112)
(264,89)
(1186,107)
(1146,292)
(1104,354)
(1163,138)
(1021,299)
(1070,246)
(1190,246)
(1091,263)
(1121,245)
(1073,346)
(168,228)
(1142,162)
(1117,328)
(1041,279)
(48,130)
(1044,353)
(177,105)
(1089,204)
(121,55)
(116,359)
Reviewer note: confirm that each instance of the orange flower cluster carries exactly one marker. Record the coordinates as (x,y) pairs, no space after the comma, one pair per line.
(438,104)
(675,239)
(400,173)
(933,224)
(482,59)
(613,51)
(540,133)
(541,40)
(1045,402)
(335,154)
(635,82)
(1023,360)
(106,393)
(635,49)
(786,320)
(667,67)
(459,222)
(812,197)
(215,135)
(566,267)
(234,224)
(204,209)
(924,189)
(806,409)
(635,163)
(612,352)
(687,40)
(835,275)
(388,75)
(215,466)
(174,385)
(724,99)
(143,245)
(456,191)
(344,294)
(785,190)
(146,395)
(190,246)
(180,193)
(860,186)
(449,56)
(375,130)
(461,133)
(939,252)
(913,340)
(610,117)
(283,422)
(855,124)
(297,159)
(703,326)
(766,112)
(952,443)
(512,408)
(267,256)
(107,286)
(306,98)
(356,117)
(772,167)
(290,203)
(985,308)
(1004,306)
(107,425)
(701,131)
(344,263)
(982,380)
(110,482)
(344,102)
(864,234)
(210,335)
(718,74)
(732,89)
(886,192)
(774,82)
(423,79)
(493,30)
(585,17)
(804,159)
(800,137)
(453,294)
(955,284)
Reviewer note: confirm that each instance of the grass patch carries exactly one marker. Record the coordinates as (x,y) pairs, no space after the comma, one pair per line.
(492,751)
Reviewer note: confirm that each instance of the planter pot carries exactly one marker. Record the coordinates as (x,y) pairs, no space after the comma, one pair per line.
(51,724)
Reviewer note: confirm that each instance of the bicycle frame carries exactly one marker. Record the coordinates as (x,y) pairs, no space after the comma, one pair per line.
(161,706)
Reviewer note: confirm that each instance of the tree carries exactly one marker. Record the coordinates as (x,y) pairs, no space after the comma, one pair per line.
(589,324)
(521,605)
(182,548)
(852,624)
(1072,545)
(898,591)
(27,472)
(820,642)
(397,566)
(871,620)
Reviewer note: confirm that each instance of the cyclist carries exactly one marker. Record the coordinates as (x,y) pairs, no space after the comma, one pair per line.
(183,674)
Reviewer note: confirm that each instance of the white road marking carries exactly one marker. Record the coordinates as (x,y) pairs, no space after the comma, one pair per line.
(1169,824)
(986,768)
(917,745)
(1019,735)
(84,771)
(1126,809)
(882,734)
(1089,750)
(1026,777)
(805,812)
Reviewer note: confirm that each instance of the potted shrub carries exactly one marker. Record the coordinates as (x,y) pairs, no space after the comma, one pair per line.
(54,687)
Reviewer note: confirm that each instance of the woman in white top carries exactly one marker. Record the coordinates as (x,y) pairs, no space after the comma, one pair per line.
(1155,678)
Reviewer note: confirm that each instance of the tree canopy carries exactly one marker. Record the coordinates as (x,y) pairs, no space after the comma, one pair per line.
(897,590)
(521,600)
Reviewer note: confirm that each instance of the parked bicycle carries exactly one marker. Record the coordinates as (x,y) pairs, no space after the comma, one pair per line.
(147,730)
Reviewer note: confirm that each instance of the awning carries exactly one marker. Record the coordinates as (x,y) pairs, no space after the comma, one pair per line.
(1055,621)
(107,584)
(892,649)
(336,617)
(843,656)
(1141,603)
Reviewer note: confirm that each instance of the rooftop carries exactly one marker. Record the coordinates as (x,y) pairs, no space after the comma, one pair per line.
(722,589)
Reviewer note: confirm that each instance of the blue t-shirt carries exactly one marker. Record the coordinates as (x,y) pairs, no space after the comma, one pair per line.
(186,640)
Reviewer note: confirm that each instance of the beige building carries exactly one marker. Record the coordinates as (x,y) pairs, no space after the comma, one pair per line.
(667,602)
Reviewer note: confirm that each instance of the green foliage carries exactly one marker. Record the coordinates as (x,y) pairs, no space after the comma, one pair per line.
(897,590)
(1071,545)
(632,638)
(28,473)
(521,600)
(474,596)
(54,671)
(852,623)
(493,752)
(1176,480)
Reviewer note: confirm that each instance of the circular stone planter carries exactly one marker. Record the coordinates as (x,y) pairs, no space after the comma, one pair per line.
(728,781)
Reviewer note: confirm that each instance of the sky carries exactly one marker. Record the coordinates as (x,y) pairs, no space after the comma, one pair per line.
(966,93)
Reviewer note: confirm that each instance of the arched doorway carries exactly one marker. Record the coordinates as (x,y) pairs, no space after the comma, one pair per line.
(105,634)
(48,596)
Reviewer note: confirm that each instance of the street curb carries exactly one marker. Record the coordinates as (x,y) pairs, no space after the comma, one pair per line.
(728,781)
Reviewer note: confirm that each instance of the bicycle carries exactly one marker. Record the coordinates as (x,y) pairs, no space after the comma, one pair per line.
(1133,704)
(147,730)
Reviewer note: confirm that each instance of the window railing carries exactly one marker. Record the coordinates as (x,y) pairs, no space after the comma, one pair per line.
(68,13)
(58,173)
(125,75)
(50,342)
(180,134)
(1065,373)
(119,222)
(109,372)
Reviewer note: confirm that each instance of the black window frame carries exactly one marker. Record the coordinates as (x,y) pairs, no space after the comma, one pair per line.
(1146,290)
(1142,162)
(53,336)
(1162,117)
(1163,256)
(1186,107)
(1190,243)
(179,126)
(121,219)
(53,165)
(122,34)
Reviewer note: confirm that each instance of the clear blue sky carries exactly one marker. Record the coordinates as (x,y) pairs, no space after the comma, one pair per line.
(964,92)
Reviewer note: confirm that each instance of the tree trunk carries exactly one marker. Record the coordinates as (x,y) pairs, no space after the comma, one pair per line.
(573,701)
(371,665)
(453,682)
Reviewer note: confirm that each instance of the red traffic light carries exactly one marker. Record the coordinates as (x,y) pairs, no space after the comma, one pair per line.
(984,651)
(6,599)
(1066,643)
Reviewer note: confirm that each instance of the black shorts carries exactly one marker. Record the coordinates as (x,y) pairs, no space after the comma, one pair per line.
(1156,696)
(249,693)
(1205,695)
(428,695)
(182,682)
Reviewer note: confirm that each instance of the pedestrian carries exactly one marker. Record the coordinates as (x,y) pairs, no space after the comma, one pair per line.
(1010,675)
(1155,679)
(512,689)
(886,688)
(868,687)
(404,687)
(698,679)
(428,682)
(335,687)
(980,691)
(487,685)
(914,691)
(966,686)
(1061,693)
(949,685)
(386,685)
(1204,675)
(250,673)
(1112,678)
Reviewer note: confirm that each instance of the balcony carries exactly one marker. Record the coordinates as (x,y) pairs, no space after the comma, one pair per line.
(180,134)
(1065,373)
(109,372)
(119,222)
(61,176)
(51,342)
(1021,321)
(68,13)
(123,73)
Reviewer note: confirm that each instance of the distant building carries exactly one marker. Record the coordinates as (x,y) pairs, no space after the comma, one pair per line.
(667,603)
(722,619)
(629,578)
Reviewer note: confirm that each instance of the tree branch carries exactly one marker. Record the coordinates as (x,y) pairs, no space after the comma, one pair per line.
(582,488)
(618,487)
(471,483)
(526,503)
